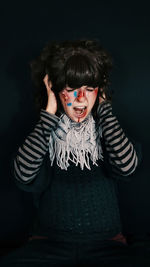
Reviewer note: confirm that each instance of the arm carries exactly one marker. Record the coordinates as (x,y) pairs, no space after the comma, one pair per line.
(121,153)
(31,154)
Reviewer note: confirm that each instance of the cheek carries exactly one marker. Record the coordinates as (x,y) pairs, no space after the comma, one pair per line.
(64,96)
(65,99)
(96,91)
(94,96)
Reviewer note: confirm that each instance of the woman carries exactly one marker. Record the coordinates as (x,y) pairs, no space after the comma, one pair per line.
(72,160)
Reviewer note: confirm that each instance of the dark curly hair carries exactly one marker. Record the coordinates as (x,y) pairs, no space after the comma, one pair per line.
(72,63)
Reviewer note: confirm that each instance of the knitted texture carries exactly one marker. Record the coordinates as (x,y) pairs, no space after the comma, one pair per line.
(79,202)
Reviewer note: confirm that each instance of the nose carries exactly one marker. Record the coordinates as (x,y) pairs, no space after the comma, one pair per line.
(81,95)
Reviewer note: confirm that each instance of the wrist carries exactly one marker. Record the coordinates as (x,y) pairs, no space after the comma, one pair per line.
(50,111)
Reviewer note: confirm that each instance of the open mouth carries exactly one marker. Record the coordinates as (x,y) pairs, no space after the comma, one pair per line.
(80,110)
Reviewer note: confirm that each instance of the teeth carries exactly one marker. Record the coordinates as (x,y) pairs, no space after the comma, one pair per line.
(79,110)
(80,107)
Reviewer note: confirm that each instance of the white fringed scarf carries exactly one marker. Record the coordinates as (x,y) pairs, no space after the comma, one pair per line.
(75,142)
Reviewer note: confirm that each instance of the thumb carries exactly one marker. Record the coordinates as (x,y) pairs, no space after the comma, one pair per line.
(47,83)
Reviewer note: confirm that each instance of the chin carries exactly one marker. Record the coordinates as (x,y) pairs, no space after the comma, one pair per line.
(78,119)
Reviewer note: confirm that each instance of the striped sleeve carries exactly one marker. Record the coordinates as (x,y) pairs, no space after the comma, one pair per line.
(30,155)
(121,153)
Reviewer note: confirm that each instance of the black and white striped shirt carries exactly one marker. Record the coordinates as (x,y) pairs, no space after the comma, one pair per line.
(121,153)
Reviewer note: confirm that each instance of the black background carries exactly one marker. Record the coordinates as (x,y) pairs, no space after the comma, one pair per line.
(123,29)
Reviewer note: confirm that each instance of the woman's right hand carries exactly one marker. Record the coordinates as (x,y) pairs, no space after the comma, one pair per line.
(52,102)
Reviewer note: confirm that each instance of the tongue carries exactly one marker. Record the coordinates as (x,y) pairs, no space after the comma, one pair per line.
(79,110)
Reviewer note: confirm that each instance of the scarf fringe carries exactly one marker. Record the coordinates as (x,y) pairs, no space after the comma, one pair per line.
(76,143)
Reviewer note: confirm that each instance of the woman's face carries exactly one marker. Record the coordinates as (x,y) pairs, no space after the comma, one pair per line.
(78,103)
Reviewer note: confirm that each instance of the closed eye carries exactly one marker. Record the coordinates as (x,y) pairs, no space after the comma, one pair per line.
(90,89)
(70,89)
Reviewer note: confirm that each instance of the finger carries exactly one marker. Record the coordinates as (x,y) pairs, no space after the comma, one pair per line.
(102,98)
(47,83)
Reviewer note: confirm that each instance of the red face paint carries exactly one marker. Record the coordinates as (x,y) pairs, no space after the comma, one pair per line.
(80,94)
(96,91)
(65,96)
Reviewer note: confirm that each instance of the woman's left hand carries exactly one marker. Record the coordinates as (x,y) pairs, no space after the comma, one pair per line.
(102,96)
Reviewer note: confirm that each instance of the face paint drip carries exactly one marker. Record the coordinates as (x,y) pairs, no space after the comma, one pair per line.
(81,116)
